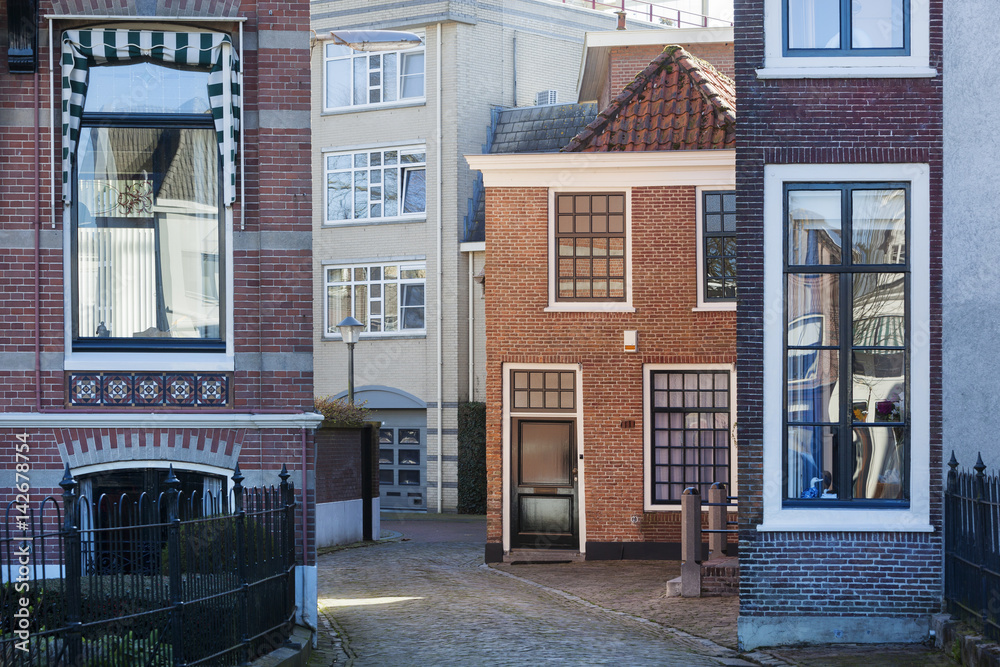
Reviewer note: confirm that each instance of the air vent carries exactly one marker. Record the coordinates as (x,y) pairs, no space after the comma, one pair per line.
(547,97)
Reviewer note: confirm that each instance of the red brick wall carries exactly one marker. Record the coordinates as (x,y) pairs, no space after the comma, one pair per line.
(664,239)
(817,121)
(272,308)
(627,61)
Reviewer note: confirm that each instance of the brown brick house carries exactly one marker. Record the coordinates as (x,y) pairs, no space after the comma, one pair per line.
(610,300)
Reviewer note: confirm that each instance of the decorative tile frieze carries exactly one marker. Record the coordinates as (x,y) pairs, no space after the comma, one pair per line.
(146,390)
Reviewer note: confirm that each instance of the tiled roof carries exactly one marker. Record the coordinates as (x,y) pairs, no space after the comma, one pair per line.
(679,102)
(543,129)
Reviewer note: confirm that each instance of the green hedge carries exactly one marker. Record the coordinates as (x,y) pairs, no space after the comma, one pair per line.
(472,458)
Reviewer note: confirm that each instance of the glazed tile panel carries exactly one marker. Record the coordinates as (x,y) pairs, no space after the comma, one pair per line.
(145,390)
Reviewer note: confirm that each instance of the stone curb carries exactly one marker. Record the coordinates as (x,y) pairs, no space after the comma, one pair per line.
(294,655)
(973,650)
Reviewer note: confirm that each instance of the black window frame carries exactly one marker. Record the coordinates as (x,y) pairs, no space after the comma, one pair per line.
(845,36)
(591,235)
(846,270)
(652,447)
(723,234)
(196,121)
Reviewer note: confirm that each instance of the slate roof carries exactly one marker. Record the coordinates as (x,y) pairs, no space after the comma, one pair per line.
(543,129)
(679,102)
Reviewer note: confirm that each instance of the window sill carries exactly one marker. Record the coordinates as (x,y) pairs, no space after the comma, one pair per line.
(415,102)
(846,520)
(328,338)
(813,71)
(165,361)
(375,221)
(596,307)
(728,307)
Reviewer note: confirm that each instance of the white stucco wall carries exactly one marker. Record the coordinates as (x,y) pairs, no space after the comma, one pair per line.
(971,330)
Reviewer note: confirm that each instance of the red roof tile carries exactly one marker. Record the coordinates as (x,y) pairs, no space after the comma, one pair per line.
(678,102)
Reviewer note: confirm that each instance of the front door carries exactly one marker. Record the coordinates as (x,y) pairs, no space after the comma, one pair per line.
(544,473)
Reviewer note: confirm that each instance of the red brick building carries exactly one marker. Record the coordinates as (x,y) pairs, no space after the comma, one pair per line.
(839,389)
(155,295)
(610,301)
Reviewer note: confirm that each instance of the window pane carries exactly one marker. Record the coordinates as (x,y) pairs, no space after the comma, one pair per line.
(409,436)
(391,191)
(409,457)
(413,75)
(413,306)
(879,462)
(338,83)
(878,386)
(361,304)
(148,238)
(814,24)
(414,196)
(146,87)
(812,381)
(813,304)
(814,225)
(385,457)
(338,196)
(812,462)
(338,298)
(877,24)
(391,307)
(879,226)
(361,80)
(361,194)
(389,76)
(879,309)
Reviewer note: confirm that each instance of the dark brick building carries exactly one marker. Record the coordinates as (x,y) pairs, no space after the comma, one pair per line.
(839,348)
(155,295)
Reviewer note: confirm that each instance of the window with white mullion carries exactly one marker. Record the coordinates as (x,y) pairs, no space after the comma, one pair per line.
(375,184)
(385,298)
(356,78)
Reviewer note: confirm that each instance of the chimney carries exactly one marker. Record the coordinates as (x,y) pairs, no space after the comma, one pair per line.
(621,20)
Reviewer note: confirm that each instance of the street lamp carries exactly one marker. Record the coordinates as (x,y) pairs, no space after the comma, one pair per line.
(350,331)
(375,40)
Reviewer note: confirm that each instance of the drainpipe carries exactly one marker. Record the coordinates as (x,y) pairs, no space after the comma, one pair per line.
(36,110)
(305,503)
(514,66)
(440,278)
(472,325)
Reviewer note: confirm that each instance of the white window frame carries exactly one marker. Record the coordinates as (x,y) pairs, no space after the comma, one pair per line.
(647,430)
(916,518)
(779,66)
(403,177)
(702,304)
(330,328)
(398,102)
(557,306)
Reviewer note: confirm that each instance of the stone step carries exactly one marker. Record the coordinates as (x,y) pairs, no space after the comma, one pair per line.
(674,588)
(534,556)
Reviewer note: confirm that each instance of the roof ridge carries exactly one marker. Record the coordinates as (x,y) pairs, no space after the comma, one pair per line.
(699,71)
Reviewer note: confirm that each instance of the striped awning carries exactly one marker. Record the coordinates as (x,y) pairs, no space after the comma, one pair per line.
(82,49)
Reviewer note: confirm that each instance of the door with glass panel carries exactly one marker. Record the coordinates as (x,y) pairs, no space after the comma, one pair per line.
(545,510)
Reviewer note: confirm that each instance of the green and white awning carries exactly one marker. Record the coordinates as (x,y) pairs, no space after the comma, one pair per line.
(82,49)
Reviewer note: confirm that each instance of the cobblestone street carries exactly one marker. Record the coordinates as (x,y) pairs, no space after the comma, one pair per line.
(430,602)
(424,597)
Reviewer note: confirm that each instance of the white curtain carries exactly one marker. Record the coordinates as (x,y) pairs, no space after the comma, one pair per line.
(212,492)
(85,502)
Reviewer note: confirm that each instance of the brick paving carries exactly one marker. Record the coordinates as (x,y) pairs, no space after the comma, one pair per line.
(424,597)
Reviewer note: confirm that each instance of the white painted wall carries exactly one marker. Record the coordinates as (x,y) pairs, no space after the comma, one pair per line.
(339,522)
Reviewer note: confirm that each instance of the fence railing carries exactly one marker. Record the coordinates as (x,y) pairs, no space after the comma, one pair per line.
(652,12)
(196,579)
(972,547)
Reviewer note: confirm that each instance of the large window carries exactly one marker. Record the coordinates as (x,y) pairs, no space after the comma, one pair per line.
(718,228)
(147,222)
(356,78)
(386,298)
(590,252)
(690,413)
(846,286)
(376,184)
(846,27)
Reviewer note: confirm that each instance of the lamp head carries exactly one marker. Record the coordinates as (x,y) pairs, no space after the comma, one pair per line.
(375,40)
(350,329)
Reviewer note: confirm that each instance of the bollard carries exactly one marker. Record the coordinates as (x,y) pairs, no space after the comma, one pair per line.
(717,520)
(691,543)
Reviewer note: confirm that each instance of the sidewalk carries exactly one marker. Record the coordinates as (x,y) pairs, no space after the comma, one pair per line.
(635,589)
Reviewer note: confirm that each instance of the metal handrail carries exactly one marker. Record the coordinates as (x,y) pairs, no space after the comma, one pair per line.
(653,13)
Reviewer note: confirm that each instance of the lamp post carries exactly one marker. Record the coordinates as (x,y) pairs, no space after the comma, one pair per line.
(375,40)
(350,331)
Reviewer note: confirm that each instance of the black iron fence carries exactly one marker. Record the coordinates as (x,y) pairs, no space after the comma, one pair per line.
(200,579)
(972,547)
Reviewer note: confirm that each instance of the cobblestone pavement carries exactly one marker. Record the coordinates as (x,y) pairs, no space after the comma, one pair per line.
(425,598)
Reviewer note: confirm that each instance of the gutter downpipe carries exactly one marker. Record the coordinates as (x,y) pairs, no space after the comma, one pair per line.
(305,501)
(440,277)
(472,325)
(36,111)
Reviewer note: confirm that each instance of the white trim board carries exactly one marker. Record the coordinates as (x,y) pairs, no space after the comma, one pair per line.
(155,420)
(917,517)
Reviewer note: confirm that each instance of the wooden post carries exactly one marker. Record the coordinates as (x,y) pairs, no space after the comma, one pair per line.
(691,543)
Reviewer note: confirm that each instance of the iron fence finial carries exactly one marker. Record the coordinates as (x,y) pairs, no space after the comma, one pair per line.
(980,467)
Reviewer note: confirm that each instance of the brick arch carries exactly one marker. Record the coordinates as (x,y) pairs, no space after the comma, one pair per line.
(209,446)
(165,8)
